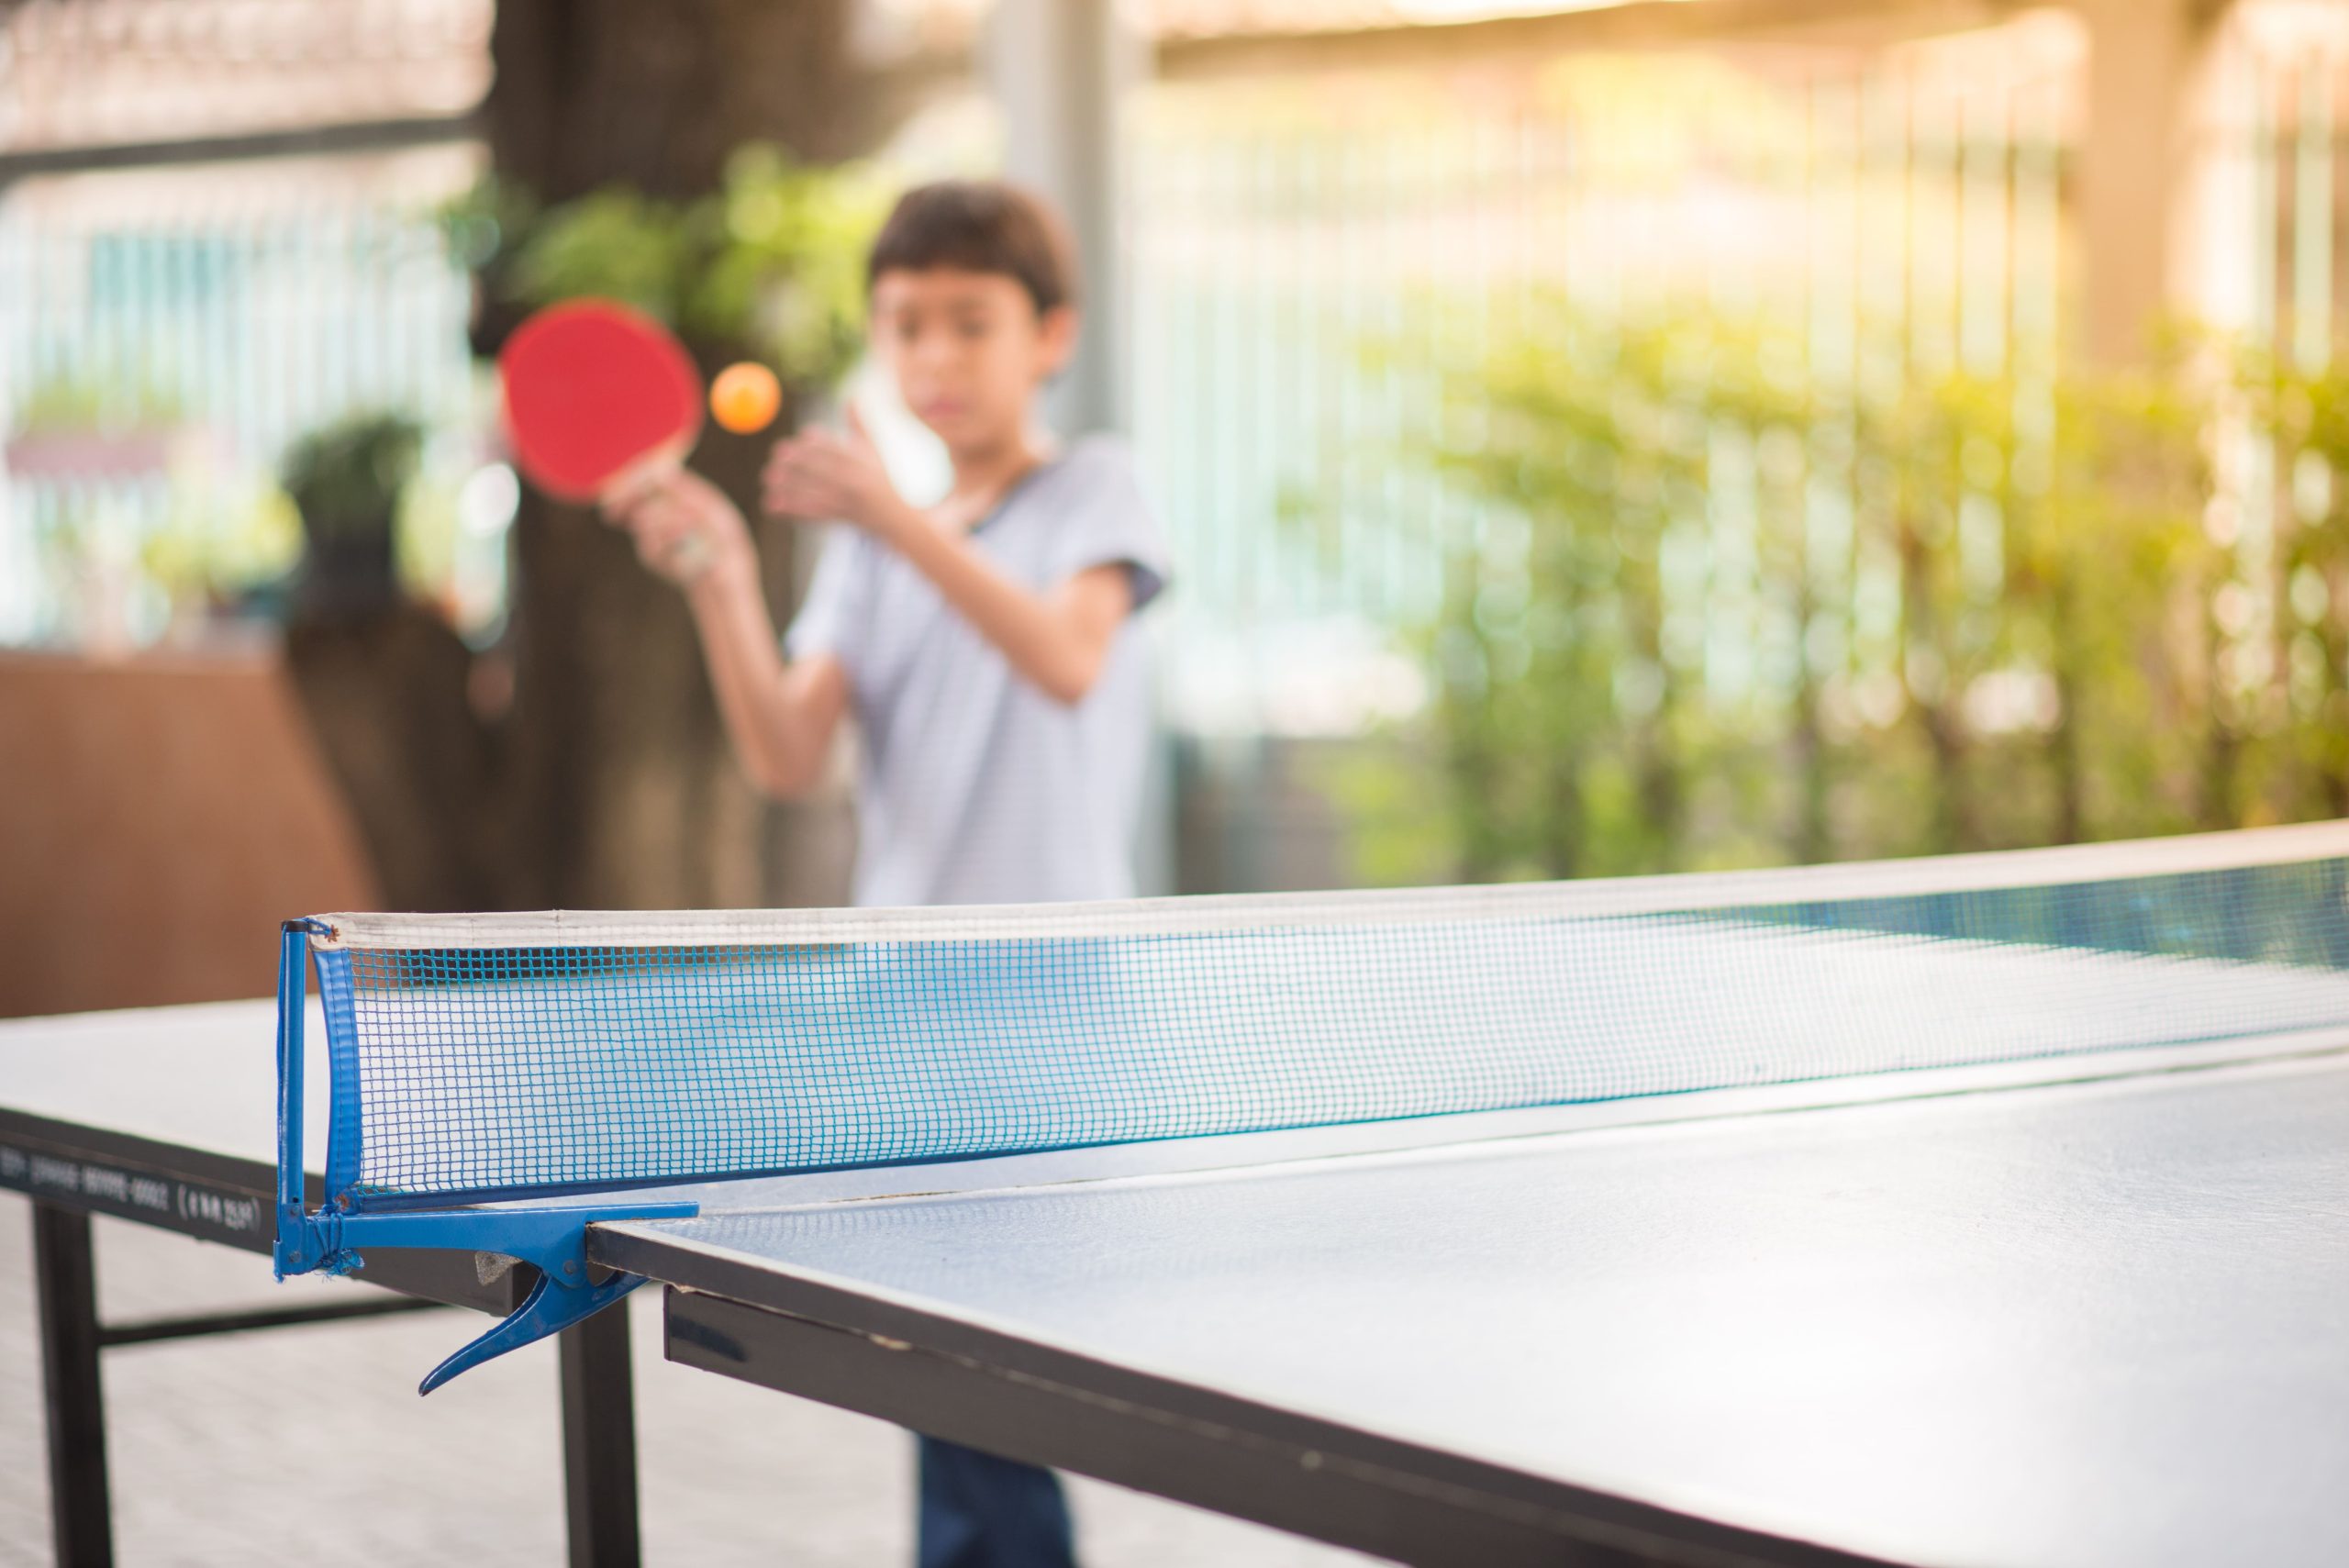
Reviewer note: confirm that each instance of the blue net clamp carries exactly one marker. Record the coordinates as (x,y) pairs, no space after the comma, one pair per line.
(333,1239)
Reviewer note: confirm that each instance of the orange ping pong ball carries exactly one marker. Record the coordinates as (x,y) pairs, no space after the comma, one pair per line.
(745,398)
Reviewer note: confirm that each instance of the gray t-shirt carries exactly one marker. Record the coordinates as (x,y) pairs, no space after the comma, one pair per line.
(975,787)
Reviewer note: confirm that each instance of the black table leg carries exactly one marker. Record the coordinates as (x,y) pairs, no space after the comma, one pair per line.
(599,1441)
(65,1279)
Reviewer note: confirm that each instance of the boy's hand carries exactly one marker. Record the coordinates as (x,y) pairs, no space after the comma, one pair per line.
(820,476)
(684,527)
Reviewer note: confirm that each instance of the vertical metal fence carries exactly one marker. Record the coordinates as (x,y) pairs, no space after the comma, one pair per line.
(164,337)
(2273,270)
(1303,249)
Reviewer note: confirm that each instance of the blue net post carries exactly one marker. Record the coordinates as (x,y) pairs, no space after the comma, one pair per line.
(291,1252)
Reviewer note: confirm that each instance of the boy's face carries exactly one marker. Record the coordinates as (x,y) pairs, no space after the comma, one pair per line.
(968,350)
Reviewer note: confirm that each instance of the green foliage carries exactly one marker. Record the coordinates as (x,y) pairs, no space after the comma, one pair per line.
(1714,609)
(1572,686)
(485,221)
(788,277)
(2303,420)
(348,478)
(772,261)
(220,545)
(611,242)
(96,399)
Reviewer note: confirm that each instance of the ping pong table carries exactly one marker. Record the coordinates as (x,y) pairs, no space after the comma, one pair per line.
(162,1116)
(2080,1312)
(2095,1318)
(2081,1307)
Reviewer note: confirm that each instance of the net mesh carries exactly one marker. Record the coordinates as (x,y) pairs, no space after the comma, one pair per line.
(598,1054)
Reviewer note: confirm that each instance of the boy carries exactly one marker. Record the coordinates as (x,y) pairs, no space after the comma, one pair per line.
(985,648)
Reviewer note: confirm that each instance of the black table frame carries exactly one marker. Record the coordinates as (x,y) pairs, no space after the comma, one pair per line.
(71,1171)
(1050,1406)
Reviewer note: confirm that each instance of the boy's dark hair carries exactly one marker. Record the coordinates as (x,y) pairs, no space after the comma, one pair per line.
(978,225)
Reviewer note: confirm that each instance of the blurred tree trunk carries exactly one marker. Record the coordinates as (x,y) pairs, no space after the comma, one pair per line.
(658,95)
(622,789)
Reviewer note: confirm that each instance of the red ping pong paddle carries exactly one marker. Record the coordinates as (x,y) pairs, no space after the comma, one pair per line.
(595,394)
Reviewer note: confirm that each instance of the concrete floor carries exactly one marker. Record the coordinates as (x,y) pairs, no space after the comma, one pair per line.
(310,1446)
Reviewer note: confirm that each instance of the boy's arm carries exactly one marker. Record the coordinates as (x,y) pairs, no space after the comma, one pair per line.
(781,717)
(1057,641)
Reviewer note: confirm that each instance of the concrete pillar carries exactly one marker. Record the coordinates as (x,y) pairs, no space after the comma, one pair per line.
(1058,69)
(2147,74)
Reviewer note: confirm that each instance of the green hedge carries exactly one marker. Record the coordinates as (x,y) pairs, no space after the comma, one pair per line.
(1721,605)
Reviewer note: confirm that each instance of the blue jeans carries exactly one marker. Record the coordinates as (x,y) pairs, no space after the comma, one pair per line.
(978,1511)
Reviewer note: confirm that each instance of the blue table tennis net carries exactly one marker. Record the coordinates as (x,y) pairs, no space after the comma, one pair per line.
(502,1055)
